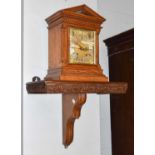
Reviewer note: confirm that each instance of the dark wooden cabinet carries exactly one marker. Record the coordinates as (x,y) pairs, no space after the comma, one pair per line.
(121,68)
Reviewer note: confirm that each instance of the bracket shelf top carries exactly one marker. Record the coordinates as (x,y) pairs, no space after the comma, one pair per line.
(37,87)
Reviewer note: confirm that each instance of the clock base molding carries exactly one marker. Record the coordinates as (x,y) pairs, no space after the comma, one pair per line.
(87,73)
(85,78)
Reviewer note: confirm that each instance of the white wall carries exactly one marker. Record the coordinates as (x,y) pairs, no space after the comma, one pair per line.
(42,114)
(119,16)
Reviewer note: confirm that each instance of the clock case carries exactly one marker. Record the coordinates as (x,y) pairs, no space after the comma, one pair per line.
(59,24)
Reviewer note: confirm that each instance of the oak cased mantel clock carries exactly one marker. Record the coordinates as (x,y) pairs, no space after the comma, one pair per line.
(73,64)
(74,45)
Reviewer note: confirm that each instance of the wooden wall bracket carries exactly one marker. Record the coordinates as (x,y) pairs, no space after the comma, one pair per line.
(73,98)
(71,105)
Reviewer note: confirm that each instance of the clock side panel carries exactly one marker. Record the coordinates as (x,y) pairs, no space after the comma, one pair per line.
(55,55)
(54,47)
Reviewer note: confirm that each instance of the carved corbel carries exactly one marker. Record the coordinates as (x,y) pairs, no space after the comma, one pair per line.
(72,104)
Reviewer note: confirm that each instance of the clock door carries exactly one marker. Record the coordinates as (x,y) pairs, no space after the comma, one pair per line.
(82,48)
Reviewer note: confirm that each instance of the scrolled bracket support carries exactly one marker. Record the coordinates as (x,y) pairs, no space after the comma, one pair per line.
(71,108)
